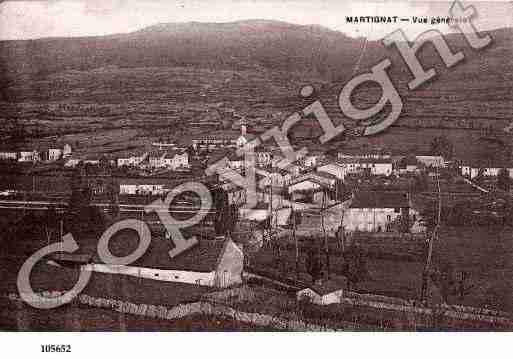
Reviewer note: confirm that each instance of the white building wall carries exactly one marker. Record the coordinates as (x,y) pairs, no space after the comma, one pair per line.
(8,155)
(384,169)
(199,278)
(54,154)
(303,186)
(334,169)
(368,219)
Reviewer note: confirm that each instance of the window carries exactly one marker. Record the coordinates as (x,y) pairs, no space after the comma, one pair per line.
(397,210)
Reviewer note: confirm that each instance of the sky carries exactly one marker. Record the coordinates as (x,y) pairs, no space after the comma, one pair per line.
(66,18)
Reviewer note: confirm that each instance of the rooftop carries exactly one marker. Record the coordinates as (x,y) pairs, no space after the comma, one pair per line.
(202,257)
(380,199)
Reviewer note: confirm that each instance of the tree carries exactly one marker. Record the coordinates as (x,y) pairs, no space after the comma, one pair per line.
(355,266)
(503,180)
(421,182)
(226,215)
(441,146)
(313,265)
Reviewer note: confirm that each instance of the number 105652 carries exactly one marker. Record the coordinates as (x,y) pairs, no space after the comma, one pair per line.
(52,348)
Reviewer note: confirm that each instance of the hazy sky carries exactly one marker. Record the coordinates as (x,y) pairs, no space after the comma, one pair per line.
(35,19)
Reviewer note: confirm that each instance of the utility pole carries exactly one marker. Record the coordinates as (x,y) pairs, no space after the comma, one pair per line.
(326,246)
(295,241)
(434,236)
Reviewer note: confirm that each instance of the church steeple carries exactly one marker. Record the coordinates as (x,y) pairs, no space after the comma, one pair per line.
(243,127)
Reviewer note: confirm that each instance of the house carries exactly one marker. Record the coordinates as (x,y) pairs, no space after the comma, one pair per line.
(472,169)
(236,162)
(66,151)
(259,212)
(380,212)
(245,137)
(236,195)
(312,186)
(407,164)
(312,159)
(54,154)
(371,166)
(210,263)
(176,160)
(29,156)
(212,143)
(132,159)
(321,294)
(432,161)
(72,162)
(171,159)
(275,177)
(334,168)
(356,154)
(263,158)
(8,156)
(135,186)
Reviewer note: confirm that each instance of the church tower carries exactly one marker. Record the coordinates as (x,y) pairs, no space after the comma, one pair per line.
(243,127)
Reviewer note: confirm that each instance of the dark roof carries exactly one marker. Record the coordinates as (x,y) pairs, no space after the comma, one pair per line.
(203,257)
(146,181)
(326,287)
(496,162)
(319,178)
(71,257)
(364,160)
(380,200)
(326,175)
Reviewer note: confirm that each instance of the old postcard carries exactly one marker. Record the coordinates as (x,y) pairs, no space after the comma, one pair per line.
(239,165)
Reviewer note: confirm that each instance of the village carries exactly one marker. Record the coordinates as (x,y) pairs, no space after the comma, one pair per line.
(324,228)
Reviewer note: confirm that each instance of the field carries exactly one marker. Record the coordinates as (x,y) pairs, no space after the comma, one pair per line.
(485,253)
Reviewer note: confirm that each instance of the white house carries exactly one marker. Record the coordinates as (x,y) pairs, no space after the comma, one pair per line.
(373,166)
(329,293)
(431,161)
(72,162)
(378,211)
(263,158)
(312,159)
(66,151)
(168,159)
(132,159)
(210,263)
(244,138)
(177,160)
(8,155)
(347,155)
(274,177)
(336,169)
(312,186)
(134,187)
(54,154)
(29,156)
(472,170)
(212,143)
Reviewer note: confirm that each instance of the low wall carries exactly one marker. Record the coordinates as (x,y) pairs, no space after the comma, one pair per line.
(184,310)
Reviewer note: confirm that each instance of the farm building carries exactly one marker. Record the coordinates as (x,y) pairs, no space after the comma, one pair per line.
(431,161)
(211,263)
(325,294)
(380,212)
(312,186)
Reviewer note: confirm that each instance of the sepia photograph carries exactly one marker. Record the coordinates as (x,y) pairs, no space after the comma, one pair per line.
(299,166)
